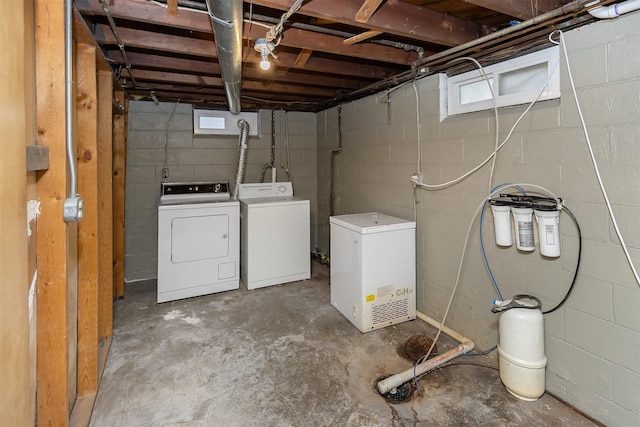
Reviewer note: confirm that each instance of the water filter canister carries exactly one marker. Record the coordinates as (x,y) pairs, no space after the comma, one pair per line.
(548,232)
(502,224)
(523,218)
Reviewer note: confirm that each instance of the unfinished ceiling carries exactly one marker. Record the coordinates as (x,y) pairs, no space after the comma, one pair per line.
(329,51)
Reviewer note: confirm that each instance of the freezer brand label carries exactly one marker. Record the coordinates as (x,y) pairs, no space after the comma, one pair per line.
(405,291)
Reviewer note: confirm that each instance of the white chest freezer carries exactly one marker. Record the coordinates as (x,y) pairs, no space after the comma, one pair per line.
(373,269)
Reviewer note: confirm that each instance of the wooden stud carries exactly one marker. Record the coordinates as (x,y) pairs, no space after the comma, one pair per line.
(119,166)
(87,137)
(53,386)
(105,205)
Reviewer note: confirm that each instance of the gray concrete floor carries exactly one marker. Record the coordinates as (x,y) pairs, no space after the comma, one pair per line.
(283,356)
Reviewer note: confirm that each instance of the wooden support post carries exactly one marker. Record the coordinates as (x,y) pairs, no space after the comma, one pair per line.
(105,205)
(53,378)
(119,166)
(87,137)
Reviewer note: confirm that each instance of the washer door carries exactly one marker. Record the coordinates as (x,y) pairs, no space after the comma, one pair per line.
(197,238)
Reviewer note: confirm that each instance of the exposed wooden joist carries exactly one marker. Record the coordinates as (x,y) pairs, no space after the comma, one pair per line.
(302,58)
(321,65)
(119,168)
(87,137)
(518,9)
(217,82)
(52,246)
(360,37)
(292,37)
(392,17)
(154,62)
(367,9)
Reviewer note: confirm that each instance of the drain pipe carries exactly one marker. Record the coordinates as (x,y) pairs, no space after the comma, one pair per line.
(272,164)
(465,346)
(615,10)
(242,142)
(226,21)
(334,153)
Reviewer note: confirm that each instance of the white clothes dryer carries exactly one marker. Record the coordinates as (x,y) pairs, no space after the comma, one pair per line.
(198,240)
(275,235)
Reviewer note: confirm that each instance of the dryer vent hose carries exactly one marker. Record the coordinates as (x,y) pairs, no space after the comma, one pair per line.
(242,143)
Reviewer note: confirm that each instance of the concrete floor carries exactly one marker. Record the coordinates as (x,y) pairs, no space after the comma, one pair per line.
(283,356)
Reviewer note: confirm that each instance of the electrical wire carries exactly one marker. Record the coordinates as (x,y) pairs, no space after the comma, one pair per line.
(475,169)
(593,158)
(495,110)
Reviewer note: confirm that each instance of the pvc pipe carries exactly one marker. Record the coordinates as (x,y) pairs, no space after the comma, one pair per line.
(615,10)
(395,380)
(465,346)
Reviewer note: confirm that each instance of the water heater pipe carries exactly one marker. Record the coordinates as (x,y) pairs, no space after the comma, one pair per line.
(332,170)
(615,10)
(465,346)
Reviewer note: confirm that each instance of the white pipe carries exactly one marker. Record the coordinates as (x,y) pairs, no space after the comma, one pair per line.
(615,10)
(465,346)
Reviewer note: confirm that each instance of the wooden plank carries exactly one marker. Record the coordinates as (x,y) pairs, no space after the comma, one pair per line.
(17,396)
(367,9)
(172,7)
(302,58)
(119,166)
(360,37)
(52,252)
(87,137)
(105,205)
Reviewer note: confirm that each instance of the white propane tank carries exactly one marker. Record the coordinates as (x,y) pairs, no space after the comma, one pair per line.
(521,355)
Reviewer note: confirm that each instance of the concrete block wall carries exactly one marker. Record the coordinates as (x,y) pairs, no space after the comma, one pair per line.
(593,341)
(192,158)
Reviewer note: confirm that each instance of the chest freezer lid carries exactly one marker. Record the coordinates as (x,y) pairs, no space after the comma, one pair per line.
(372,222)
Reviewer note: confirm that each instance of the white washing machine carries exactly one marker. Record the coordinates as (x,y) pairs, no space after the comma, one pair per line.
(275,235)
(198,240)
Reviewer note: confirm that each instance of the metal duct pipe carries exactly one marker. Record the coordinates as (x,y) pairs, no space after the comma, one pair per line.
(226,21)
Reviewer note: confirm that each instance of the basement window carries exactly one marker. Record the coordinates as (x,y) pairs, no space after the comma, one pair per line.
(213,122)
(515,81)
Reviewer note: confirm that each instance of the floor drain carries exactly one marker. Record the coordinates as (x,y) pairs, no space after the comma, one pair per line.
(417,346)
(399,394)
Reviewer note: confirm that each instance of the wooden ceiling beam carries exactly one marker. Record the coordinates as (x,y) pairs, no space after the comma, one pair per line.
(517,8)
(392,17)
(155,62)
(162,43)
(204,81)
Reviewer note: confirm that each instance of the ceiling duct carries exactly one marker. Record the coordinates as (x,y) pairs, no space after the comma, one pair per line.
(226,20)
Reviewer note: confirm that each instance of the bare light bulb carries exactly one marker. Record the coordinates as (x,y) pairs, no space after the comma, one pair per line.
(265,64)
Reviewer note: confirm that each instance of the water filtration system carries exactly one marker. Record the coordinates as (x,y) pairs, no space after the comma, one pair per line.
(524,208)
